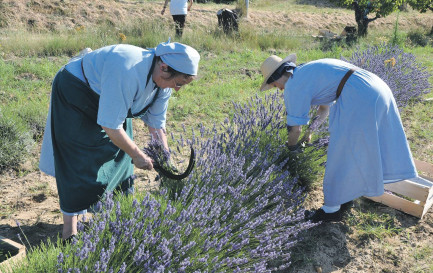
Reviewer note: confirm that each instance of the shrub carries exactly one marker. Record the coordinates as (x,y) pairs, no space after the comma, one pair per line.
(406,77)
(15,143)
(397,38)
(418,38)
(238,211)
(257,129)
(35,117)
(264,119)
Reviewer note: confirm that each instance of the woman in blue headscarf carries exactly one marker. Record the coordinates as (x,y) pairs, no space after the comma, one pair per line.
(367,147)
(88,144)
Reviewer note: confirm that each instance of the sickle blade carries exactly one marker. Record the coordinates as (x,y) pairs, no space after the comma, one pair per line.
(188,170)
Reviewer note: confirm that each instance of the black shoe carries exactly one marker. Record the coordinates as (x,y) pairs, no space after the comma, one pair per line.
(346,206)
(321,216)
(68,240)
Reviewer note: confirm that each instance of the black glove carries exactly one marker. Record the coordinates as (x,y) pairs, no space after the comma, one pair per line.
(297,148)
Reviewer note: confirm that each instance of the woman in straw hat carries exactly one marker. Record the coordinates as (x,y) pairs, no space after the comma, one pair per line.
(367,147)
(88,144)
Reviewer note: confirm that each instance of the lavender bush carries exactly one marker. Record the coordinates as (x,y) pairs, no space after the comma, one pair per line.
(406,77)
(170,161)
(239,210)
(269,114)
(16,143)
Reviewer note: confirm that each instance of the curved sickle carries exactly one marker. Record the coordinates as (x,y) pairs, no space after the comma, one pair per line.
(173,176)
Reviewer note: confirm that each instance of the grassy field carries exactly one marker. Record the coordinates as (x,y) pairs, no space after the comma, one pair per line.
(229,71)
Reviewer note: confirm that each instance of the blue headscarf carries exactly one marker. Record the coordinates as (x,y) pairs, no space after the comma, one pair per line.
(180,57)
(285,67)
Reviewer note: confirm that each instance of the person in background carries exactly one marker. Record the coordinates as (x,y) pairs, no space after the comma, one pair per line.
(367,147)
(88,143)
(178,9)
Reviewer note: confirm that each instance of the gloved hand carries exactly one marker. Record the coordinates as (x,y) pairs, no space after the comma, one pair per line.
(295,149)
(307,136)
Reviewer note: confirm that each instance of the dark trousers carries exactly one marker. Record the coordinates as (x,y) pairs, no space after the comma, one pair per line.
(179,21)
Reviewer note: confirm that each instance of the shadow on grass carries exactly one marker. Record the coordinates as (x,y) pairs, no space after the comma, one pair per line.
(33,234)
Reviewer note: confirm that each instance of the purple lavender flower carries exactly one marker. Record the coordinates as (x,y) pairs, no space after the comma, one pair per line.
(60,258)
(122,268)
(406,77)
(239,210)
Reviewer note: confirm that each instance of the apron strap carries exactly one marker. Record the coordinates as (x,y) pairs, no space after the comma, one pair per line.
(130,115)
(343,81)
(84,75)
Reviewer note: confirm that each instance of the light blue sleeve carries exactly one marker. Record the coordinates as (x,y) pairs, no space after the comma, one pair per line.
(156,116)
(298,103)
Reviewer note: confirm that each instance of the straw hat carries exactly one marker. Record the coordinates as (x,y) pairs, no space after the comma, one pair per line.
(270,65)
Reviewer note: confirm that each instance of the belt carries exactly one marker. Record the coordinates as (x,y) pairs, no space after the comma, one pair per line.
(82,70)
(343,81)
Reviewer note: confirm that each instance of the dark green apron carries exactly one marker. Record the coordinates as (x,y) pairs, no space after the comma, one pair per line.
(87,163)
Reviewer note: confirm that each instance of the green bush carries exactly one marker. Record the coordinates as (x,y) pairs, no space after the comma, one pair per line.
(418,38)
(34,116)
(15,143)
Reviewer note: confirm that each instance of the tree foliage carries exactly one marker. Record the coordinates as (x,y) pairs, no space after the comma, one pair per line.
(367,11)
(421,5)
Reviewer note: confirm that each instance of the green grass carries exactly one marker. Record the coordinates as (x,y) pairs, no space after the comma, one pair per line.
(422,256)
(6,211)
(41,187)
(372,225)
(229,71)
(42,258)
(419,129)
(423,253)
(24,99)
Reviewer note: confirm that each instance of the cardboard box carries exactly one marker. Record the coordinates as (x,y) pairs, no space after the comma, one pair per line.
(17,250)
(414,196)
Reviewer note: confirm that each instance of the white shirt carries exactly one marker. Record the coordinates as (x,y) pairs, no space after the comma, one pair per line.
(178,7)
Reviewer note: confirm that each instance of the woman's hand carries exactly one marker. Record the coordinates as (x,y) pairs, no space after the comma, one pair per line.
(122,140)
(307,136)
(142,161)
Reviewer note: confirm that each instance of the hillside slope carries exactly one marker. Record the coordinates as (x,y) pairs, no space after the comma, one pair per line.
(39,15)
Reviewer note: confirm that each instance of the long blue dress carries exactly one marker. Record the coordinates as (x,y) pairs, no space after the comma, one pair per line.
(368,146)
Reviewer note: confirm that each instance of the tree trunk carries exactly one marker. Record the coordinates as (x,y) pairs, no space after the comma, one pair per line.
(362,28)
(361,19)
(403,7)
